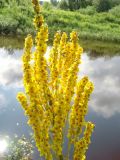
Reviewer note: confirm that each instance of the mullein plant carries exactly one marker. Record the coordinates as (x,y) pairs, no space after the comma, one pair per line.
(55,101)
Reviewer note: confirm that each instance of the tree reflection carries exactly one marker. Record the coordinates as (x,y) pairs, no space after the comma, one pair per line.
(11,43)
(95,49)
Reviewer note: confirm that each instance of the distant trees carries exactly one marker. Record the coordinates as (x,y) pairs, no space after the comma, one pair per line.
(74,4)
(102,5)
(115,2)
(63,4)
(54,2)
(4,3)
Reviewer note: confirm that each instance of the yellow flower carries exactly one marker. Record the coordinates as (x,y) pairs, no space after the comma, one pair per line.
(55,102)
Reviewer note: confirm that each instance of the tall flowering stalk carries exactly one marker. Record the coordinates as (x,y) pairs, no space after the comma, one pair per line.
(55,101)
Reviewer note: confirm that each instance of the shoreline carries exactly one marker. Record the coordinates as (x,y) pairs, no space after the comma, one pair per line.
(93,47)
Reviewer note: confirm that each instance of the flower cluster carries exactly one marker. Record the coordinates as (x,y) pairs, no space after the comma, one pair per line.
(82,144)
(54,100)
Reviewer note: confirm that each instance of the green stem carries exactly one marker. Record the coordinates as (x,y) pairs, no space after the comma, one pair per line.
(61,157)
(69,145)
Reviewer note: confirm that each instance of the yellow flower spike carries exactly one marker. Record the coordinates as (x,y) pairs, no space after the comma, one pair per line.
(62,52)
(36,5)
(79,110)
(74,36)
(80,148)
(23,100)
(80,89)
(81,145)
(27,77)
(74,39)
(71,83)
(38,21)
(87,134)
(55,103)
(53,60)
(28,42)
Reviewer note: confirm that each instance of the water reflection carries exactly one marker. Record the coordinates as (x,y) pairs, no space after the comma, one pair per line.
(10,73)
(100,49)
(94,48)
(106,76)
(11,114)
(104,107)
(11,43)
(3,146)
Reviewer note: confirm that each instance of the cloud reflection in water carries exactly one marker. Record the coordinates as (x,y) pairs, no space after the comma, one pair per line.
(105,100)
(105,74)
(10,72)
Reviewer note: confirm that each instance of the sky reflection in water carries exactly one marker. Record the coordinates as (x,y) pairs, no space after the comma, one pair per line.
(104,107)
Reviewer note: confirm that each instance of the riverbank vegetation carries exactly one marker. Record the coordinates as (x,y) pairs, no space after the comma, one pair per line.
(88,21)
(15,17)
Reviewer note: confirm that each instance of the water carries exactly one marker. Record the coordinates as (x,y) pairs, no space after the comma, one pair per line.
(101,63)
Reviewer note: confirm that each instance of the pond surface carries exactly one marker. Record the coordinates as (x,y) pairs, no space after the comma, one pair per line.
(102,65)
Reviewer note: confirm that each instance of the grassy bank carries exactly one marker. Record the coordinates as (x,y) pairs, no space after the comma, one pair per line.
(16,19)
(97,26)
(89,24)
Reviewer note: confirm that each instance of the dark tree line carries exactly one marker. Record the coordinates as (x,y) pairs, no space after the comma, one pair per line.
(74,4)
(101,5)
(4,3)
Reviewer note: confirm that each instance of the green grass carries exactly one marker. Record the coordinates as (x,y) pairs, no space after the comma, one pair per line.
(100,26)
(89,24)
(16,20)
